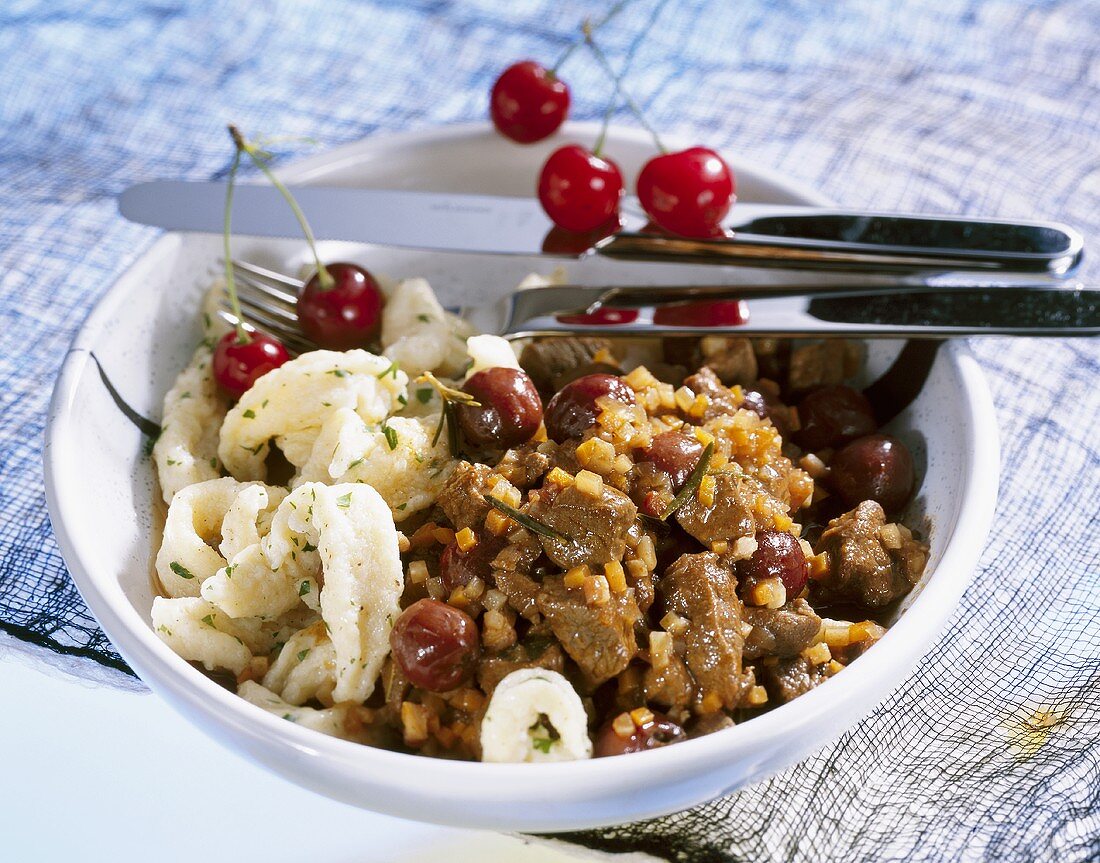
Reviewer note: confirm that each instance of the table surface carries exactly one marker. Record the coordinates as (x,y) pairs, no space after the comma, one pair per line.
(98,773)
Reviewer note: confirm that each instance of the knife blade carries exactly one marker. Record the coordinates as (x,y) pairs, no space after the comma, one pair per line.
(762,234)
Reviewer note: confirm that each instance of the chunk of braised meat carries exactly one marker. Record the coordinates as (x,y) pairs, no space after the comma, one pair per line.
(594,527)
(826,362)
(511,572)
(493,669)
(705,382)
(701,589)
(771,356)
(729,516)
(871,563)
(785,631)
(462,498)
(553,362)
(787,678)
(599,638)
(564,455)
(525,465)
(731,358)
(671,687)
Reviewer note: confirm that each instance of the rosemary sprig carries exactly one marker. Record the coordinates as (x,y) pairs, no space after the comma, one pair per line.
(450,397)
(692,483)
(525,520)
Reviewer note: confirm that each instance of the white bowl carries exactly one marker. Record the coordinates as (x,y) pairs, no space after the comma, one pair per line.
(103,506)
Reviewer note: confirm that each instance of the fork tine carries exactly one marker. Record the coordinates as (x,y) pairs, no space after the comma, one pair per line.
(261,295)
(278,287)
(287,281)
(250,302)
(287,335)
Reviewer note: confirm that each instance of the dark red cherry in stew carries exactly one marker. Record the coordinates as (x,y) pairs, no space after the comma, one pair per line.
(833,415)
(510,409)
(877,467)
(778,555)
(238,365)
(458,567)
(675,453)
(573,409)
(345,315)
(658,731)
(435,645)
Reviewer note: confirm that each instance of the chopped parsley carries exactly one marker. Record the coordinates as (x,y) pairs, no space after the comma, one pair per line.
(542,744)
(423,318)
(391,436)
(250,414)
(180,570)
(302,654)
(401,400)
(303,589)
(391,371)
(340,373)
(344,500)
(255,450)
(424,396)
(309,547)
(208,620)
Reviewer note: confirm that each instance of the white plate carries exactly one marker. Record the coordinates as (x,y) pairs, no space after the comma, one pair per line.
(101,497)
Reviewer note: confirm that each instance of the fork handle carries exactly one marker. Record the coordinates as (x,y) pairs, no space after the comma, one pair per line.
(916,312)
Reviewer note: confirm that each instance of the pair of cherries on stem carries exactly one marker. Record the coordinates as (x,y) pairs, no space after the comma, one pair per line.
(687,192)
(339,308)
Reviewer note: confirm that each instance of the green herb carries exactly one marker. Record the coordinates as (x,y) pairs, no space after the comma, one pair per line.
(692,483)
(424,319)
(423,396)
(401,400)
(344,500)
(250,414)
(525,520)
(264,403)
(180,570)
(172,462)
(340,373)
(355,463)
(302,654)
(391,371)
(255,450)
(309,547)
(214,463)
(401,507)
(185,395)
(209,620)
(391,436)
(229,570)
(303,589)
(542,744)
(165,630)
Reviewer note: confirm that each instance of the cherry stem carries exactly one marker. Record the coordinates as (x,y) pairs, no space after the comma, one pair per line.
(230,284)
(601,140)
(323,275)
(601,58)
(611,13)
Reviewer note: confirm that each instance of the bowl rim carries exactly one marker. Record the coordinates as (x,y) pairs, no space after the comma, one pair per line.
(193,693)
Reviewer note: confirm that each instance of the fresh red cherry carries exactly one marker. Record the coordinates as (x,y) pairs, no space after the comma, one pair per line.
(237,365)
(528,102)
(688,192)
(346,315)
(578,189)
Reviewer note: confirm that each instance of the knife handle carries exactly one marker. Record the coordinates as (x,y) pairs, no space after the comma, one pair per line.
(834,240)
(897,312)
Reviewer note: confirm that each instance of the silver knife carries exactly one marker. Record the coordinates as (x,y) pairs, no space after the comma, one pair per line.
(764,235)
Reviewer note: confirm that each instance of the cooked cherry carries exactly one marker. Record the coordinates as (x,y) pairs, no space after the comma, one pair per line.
(877,467)
(346,315)
(573,409)
(653,734)
(238,365)
(510,411)
(778,555)
(687,193)
(579,190)
(833,415)
(674,453)
(752,400)
(458,567)
(528,102)
(435,644)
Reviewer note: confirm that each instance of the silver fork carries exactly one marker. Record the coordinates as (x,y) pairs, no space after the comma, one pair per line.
(895,310)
